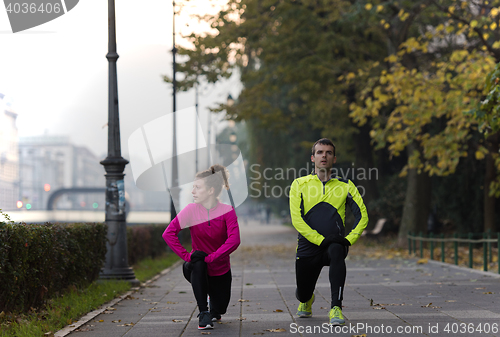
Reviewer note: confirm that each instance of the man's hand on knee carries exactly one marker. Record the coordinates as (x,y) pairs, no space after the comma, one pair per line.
(334,239)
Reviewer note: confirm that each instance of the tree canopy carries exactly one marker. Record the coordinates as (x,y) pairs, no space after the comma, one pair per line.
(381,78)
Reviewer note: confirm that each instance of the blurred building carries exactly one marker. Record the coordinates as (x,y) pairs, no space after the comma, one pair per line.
(9,157)
(48,163)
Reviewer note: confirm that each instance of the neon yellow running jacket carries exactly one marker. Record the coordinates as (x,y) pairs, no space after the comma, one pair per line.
(318,210)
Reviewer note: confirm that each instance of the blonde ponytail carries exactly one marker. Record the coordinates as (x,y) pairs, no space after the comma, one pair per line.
(215,180)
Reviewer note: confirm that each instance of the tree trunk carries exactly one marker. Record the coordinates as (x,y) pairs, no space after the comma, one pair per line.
(364,161)
(490,175)
(417,204)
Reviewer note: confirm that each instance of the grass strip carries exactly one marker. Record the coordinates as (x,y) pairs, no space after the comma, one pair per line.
(62,310)
(74,303)
(147,268)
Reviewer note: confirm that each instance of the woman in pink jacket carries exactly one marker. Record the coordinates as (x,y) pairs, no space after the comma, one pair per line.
(214,234)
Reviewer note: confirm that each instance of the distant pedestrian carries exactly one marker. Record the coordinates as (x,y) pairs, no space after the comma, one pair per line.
(214,235)
(268,214)
(317,207)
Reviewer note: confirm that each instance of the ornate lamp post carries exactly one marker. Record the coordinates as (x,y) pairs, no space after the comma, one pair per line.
(116,265)
(173,192)
(196,129)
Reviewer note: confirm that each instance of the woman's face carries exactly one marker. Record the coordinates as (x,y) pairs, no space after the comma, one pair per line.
(200,191)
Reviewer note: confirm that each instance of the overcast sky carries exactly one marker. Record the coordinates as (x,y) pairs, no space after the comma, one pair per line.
(56,74)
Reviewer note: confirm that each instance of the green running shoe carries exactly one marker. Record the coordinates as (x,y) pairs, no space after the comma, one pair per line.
(305,309)
(336,317)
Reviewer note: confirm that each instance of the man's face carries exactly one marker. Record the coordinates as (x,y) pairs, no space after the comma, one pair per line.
(323,157)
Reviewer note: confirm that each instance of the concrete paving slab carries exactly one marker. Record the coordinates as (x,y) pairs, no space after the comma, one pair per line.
(396,295)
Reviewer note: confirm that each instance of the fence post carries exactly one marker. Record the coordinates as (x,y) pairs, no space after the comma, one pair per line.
(442,247)
(409,243)
(485,253)
(431,236)
(421,245)
(415,245)
(498,251)
(455,245)
(470,251)
(489,246)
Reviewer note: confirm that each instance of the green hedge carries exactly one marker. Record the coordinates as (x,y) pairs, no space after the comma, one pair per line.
(145,241)
(37,261)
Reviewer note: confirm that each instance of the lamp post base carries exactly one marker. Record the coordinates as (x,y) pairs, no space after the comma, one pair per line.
(125,274)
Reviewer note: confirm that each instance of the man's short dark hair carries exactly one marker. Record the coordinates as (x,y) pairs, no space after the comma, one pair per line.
(323,141)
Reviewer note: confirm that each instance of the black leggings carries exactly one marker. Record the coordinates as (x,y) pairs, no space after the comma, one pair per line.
(218,287)
(307,270)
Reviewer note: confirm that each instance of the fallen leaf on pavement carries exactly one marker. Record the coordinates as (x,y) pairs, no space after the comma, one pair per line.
(177,320)
(118,321)
(430,306)
(422,261)
(276,330)
(243,300)
(206,333)
(278,310)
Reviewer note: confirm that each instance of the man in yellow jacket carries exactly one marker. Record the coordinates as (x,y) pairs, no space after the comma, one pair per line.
(318,207)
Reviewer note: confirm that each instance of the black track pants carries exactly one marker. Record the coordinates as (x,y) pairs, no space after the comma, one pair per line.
(307,270)
(218,287)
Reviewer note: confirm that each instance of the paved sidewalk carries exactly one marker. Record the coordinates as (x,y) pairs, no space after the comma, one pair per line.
(382,298)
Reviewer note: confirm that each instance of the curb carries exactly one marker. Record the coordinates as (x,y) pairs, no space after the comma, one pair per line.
(91,315)
(481,272)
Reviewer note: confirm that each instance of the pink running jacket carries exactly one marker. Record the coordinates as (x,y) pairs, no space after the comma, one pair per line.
(214,231)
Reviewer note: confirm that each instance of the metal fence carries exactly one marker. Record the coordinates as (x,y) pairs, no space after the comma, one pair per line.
(487,241)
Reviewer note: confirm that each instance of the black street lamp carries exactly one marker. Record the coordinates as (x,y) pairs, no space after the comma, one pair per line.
(196,129)
(173,190)
(116,265)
